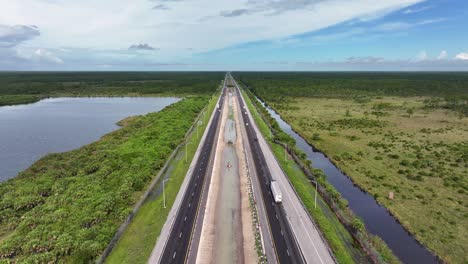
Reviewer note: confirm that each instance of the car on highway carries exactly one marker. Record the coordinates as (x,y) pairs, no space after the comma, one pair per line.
(276,192)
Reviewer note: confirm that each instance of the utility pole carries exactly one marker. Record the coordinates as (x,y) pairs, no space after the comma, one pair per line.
(186,150)
(164,191)
(315,199)
(198,124)
(285,153)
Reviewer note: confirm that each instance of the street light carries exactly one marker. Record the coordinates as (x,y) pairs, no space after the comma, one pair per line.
(164,191)
(316,186)
(186,150)
(285,152)
(198,124)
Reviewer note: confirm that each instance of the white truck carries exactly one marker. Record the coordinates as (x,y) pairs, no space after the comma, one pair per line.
(276,191)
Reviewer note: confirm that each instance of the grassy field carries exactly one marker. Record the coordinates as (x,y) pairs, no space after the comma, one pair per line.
(18,99)
(337,237)
(397,144)
(138,240)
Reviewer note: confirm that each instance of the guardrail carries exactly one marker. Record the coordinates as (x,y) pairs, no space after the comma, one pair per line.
(345,216)
(148,191)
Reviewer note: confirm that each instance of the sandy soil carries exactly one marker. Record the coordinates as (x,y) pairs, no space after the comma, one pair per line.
(206,246)
(219,229)
(250,255)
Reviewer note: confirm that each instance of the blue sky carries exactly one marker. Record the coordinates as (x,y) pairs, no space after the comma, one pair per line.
(234,35)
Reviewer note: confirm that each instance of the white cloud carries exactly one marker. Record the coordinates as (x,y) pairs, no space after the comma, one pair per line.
(392,26)
(462,56)
(416,10)
(39,56)
(422,56)
(443,55)
(381,64)
(47,56)
(12,35)
(111,24)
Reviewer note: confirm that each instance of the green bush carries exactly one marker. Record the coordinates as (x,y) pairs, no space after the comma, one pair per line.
(68,206)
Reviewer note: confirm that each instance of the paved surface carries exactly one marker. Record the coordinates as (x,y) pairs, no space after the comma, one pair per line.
(312,247)
(227,229)
(248,229)
(173,243)
(267,238)
(287,250)
(288,233)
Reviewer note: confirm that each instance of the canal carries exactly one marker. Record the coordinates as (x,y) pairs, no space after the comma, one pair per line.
(377,219)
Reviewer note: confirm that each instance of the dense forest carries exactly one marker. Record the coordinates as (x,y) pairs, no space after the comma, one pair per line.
(26,87)
(451,88)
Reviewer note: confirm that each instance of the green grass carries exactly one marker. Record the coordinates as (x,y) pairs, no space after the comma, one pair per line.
(337,237)
(67,206)
(422,157)
(18,99)
(138,240)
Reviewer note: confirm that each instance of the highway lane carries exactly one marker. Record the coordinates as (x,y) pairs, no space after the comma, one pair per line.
(287,250)
(178,241)
(267,238)
(312,246)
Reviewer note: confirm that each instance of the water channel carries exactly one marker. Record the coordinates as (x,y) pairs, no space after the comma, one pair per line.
(377,219)
(30,131)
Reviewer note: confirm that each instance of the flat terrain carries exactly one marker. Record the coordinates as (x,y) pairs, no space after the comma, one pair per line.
(138,240)
(313,248)
(29,87)
(227,234)
(397,132)
(395,144)
(66,207)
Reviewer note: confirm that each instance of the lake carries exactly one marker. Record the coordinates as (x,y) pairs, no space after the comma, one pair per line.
(28,132)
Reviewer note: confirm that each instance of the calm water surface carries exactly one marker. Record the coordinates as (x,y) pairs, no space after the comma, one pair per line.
(28,132)
(377,219)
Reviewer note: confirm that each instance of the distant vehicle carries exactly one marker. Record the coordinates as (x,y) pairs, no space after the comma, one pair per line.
(275,190)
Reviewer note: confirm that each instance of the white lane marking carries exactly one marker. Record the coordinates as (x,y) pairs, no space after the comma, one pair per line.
(294,205)
(263,141)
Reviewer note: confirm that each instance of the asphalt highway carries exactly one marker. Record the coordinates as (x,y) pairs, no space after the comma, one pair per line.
(286,247)
(307,237)
(177,245)
(291,235)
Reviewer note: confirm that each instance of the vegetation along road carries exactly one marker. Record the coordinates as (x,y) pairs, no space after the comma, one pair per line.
(66,207)
(402,137)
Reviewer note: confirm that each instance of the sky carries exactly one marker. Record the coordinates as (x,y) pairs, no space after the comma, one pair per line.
(234,35)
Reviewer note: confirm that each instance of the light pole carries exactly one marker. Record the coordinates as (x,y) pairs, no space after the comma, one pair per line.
(315,199)
(198,124)
(164,191)
(186,150)
(285,152)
